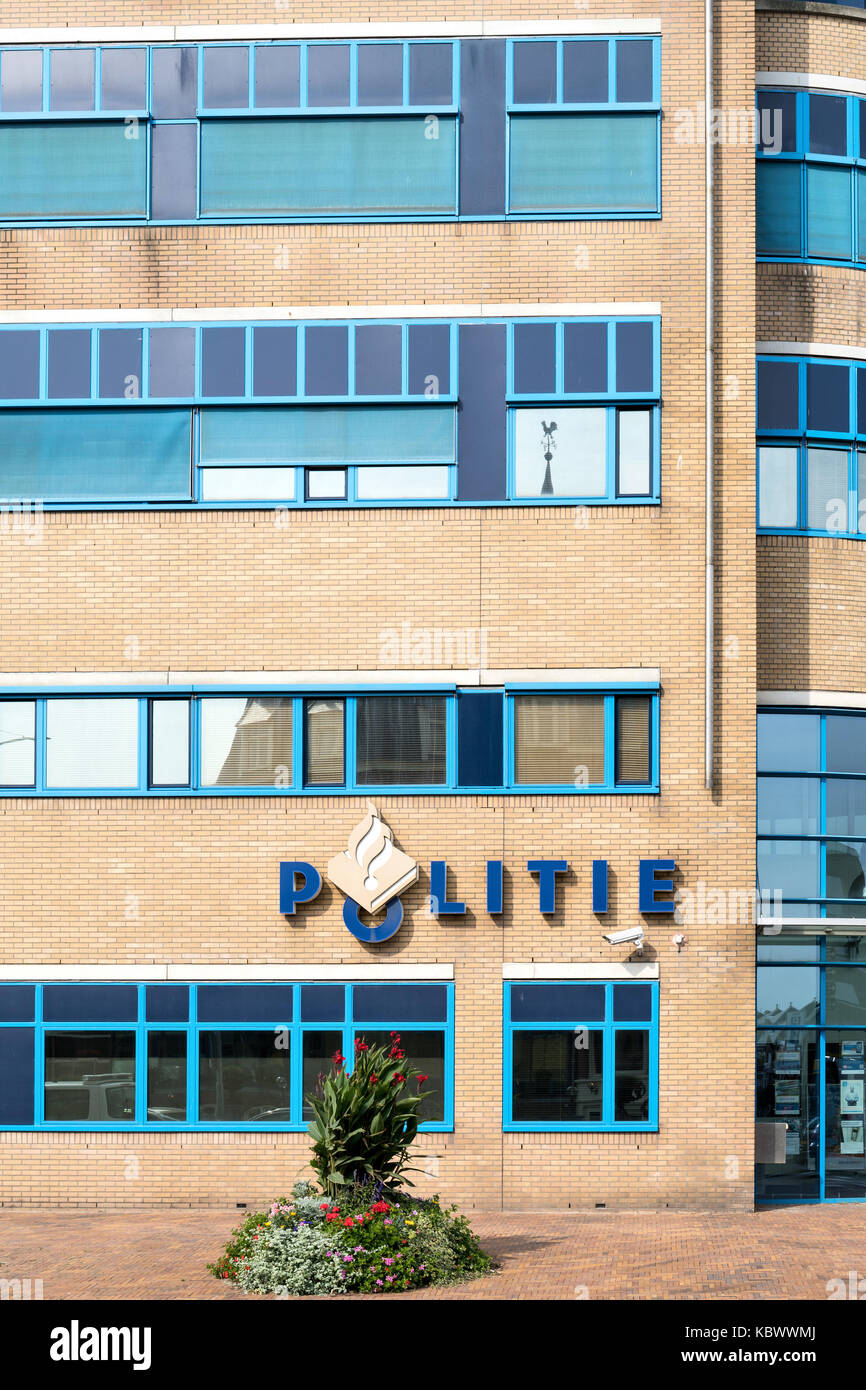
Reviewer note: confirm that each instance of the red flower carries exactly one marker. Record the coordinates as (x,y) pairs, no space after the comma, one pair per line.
(332,1216)
(361,1046)
(338,1059)
(399,1077)
(348,1221)
(373,1076)
(380,1207)
(323,1206)
(423,1078)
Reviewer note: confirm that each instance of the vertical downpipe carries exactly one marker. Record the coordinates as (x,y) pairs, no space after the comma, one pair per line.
(709,317)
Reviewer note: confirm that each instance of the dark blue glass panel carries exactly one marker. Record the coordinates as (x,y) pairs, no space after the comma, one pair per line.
(430,359)
(328,75)
(482,128)
(21,80)
(71,81)
(557,1003)
(245,1004)
(378,359)
(172,362)
(90,1003)
(119,363)
(632,1003)
(19,365)
(175,81)
(788,742)
(777,122)
(584,71)
(166,1004)
(862,123)
(124,79)
(173,160)
(778,396)
(16,1075)
(634,357)
(481,441)
(827,402)
(430,74)
(861,400)
(17,1003)
(846,743)
(226,78)
(585,357)
(380,74)
(68,363)
(634,70)
(401,1003)
(222,361)
(326,366)
(278,76)
(275,361)
(534,358)
(828,130)
(323,1003)
(479,738)
(534,72)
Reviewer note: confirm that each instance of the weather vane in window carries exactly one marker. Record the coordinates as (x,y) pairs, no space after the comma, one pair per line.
(548,444)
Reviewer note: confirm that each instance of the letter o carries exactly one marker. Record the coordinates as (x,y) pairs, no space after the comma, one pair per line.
(382,931)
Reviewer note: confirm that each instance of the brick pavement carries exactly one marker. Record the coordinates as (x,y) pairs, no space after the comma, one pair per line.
(781,1253)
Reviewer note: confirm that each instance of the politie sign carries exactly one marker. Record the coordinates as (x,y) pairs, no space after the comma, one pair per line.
(372,872)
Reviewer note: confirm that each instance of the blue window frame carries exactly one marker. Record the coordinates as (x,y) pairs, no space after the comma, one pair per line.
(228,132)
(213,742)
(205,1057)
(580,1056)
(811,829)
(330,414)
(811,456)
(811,176)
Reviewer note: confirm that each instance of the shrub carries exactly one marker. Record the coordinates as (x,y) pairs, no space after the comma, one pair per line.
(364,1122)
(294,1261)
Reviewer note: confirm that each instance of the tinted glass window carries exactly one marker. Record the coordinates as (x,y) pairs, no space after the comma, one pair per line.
(584,75)
(90,1003)
(378,360)
(788,995)
(827,404)
(585,364)
(401,739)
(557,1078)
(17,1003)
(274,361)
(777,122)
(634,70)
(559,740)
(789,805)
(21,80)
(326,361)
(534,358)
(788,742)
(633,739)
(71,81)
(172,362)
(425,1051)
(90,1076)
(69,363)
(167,1003)
(554,1003)
(534,72)
(245,1003)
(328,75)
(430,69)
(846,743)
(174,160)
(226,77)
(634,357)
(19,365)
(120,363)
(244,1076)
(430,359)
(222,361)
(175,81)
(828,125)
(632,1003)
(124,79)
(166,1077)
(405,1003)
(778,396)
(323,1003)
(631,1075)
(277,76)
(380,74)
(324,720)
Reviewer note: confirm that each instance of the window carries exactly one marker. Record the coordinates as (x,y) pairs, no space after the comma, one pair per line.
(333,414)
(581,1056)
(810,190)
(269,744)
(812,813)
(209,1057)
(811,461)
(331,130)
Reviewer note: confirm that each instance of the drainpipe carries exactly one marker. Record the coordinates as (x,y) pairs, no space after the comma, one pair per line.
(709,398)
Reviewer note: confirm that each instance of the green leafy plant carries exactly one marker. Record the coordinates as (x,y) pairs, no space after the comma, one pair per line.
(365,1121)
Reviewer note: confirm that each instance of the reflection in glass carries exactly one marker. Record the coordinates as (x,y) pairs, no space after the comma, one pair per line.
(846,869)
(90,1076)
(559,740)
(245,1076)
(557,1076)
(91,743)
(631,1079)
(401,740)
(17,743)
(172,362)
(789,868)
(844,1147)
(793,948)
(846,995)
(425,1051)
(788,805)
(788,742)
(166,1077)
(560,451)
(119,363)
(222,361)
(788,995)
(246,741)
(788,1093)
(846,743)
(323,743)
(319,1050)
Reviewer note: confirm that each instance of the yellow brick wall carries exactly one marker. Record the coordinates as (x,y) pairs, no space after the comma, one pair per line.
(237,590)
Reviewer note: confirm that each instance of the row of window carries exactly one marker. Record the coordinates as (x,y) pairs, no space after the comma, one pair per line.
(321,361)
(282,743)
(576,1056)
(812,812)
(267,132)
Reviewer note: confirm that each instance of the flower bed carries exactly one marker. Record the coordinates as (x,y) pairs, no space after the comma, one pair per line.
(365,1243)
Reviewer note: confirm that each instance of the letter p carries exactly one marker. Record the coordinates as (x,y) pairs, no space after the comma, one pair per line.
(299,883)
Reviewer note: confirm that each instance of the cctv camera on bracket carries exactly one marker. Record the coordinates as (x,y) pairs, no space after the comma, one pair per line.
(630,936)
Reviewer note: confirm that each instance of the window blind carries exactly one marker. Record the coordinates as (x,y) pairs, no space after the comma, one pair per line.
(324,743)
(72,169)
(633,739)
(559,739)
(328,435)
(583,163)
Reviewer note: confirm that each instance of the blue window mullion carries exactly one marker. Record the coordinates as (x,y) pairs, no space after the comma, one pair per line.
(298,749)
(353,75)
(296,1061)
(302,76)
(41,749)
(609,740)
(351,741)
(611,356)
(508,738)
(46,77)
(192,1051)
(612,93)
(39,1060)
(611,442)
(43,363)
(140,1054)
(450,742)
(195,742)
(97,79)
(350,338)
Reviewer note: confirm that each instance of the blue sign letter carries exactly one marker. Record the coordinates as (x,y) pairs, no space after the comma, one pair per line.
(291,891)
(599,885)
(649,886)
(494,885)
(547,869)
(439,904)
(373,935)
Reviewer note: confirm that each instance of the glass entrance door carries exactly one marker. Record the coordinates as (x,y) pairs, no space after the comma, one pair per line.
(843,1147)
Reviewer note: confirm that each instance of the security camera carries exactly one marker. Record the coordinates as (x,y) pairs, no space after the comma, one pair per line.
(631,935)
